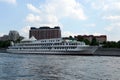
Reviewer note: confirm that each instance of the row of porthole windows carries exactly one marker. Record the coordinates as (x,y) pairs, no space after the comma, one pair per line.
(36,45)
(51,41)
(47,48)
(64,47)
(37,48)
(49,44)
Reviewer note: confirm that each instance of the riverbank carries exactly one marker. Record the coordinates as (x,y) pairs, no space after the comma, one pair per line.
(107,52)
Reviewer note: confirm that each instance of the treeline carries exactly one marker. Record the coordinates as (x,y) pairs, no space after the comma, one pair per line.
(94,42)
(4,44)
(111,44)
(107,44)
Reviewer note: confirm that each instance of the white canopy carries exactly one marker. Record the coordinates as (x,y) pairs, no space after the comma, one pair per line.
(33,38)
(28,40)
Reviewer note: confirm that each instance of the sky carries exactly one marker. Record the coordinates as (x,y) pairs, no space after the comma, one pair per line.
(75,17)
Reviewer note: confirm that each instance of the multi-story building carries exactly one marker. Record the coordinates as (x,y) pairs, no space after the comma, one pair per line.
(45,32)
(100,38)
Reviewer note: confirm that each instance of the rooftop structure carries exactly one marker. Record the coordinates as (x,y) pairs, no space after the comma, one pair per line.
(45,32)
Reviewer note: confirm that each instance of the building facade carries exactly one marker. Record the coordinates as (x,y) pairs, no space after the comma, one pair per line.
(45,32)
(100,39)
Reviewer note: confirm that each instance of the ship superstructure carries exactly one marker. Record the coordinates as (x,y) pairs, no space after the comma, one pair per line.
(51,46)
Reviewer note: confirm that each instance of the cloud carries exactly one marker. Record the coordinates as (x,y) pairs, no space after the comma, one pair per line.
(90,25)
(68,33)
(1,34)
(32,8)
(69,8)
(38,20)
(95,6)
(115,5)
(117,24)
(105,5)
(110,14)
(9,1)
(109,28)
(25,31)
(51,12)
(97,34)
(33,18)
(113,27)
(116,18)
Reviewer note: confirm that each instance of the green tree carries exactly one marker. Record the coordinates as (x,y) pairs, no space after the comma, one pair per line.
(94,42)
(110,44)
(1,44)
(118,44)
(113,44)
(70,37)
(86,41)
(80,38)
(4,44)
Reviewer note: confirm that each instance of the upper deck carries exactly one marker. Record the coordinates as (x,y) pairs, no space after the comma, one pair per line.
(54,41)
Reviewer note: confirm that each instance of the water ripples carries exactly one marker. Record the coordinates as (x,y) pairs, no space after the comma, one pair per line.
(58,67)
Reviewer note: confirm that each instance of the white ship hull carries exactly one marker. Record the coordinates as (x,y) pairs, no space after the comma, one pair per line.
(81,51)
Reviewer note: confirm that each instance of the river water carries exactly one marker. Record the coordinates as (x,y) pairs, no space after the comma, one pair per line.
(58,67)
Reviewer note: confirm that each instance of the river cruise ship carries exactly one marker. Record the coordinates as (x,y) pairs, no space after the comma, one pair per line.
(51,46)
